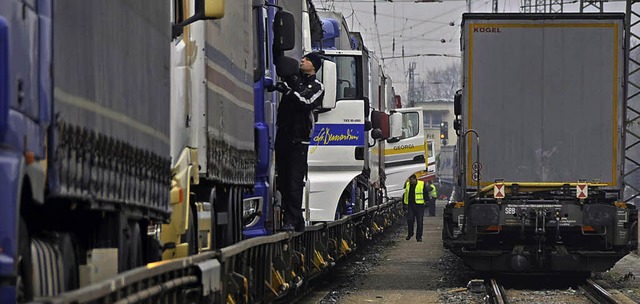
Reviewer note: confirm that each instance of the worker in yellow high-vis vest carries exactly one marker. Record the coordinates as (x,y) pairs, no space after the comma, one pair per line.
(433,194)
(414,197)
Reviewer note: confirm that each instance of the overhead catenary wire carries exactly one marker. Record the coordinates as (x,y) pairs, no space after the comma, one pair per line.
(434,32)
(375,22)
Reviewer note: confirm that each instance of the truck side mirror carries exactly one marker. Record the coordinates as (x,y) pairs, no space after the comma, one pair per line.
(396,125)
(380,124)
(367,106)
(286,66)
(330,83)
(457,103)
(204,10)
(375,119)
(367,125)
(376,134)
(284,35)
(209,9)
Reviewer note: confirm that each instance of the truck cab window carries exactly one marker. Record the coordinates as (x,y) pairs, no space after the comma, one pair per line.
(348,86)
(409,125)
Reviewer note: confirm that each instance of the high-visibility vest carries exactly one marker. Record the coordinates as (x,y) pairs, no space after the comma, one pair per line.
(432,191)
(419,193)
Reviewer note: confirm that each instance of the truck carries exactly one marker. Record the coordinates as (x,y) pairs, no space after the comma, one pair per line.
(346,168)
(543,190)
(221,242)
(84,141)
(214,128)
(223,123)
(361,145)
(407,153)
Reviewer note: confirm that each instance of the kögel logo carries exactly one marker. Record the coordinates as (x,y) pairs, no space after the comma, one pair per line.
(487,30)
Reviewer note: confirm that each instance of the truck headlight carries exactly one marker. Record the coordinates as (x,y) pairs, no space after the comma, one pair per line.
(251,211)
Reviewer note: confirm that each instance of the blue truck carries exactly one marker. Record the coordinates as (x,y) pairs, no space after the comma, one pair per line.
(85,164)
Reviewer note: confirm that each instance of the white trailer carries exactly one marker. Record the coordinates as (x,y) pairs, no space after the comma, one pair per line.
(546,97)
(540,122)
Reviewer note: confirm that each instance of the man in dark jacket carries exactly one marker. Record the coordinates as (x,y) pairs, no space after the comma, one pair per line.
(301,94)
(414,204)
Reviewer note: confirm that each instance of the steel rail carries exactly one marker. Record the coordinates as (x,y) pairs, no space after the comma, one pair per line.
(597,294)
(495,292)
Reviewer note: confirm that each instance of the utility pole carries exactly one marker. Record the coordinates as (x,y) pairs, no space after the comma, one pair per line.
(412,87)
(597,4)
(631,177)
(542,6)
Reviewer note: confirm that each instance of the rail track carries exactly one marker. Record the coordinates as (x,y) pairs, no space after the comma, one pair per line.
(594,292)
(598,294)
(495,292)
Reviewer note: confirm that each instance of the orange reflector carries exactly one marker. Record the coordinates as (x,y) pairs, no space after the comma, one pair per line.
(494,228)
(622,205)
(177,195)
(29,157)
(588,228)
(459,205)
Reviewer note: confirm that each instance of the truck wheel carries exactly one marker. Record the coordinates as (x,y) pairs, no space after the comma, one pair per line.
(69,262)
(135,249)
(213,197)
(191,235)
(341,209)
(24,280)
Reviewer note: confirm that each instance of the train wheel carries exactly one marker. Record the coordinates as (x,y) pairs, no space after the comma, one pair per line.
(24,285)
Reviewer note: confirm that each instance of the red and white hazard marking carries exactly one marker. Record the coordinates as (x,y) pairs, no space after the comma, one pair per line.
(582,190)
(498,190)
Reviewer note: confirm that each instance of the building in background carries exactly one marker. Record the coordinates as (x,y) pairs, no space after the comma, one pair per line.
(436,112)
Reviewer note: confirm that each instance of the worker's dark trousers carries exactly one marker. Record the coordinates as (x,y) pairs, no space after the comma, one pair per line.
(291,164)
(432,206)
(415,212)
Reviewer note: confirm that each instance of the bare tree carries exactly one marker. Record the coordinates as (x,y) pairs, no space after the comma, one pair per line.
(441,83)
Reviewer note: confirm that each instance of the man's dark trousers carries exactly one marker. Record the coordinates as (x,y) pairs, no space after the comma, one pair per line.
(415,212)
(432,206)
(291,161)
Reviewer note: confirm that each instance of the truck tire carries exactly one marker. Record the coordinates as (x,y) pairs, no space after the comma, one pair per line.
(191,235)
(70,262)
(24,280)
(136,255)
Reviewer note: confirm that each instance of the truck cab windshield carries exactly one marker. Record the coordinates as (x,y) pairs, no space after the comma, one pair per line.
(348,86)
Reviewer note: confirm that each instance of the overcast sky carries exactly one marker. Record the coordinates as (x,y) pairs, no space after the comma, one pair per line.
(420,27)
